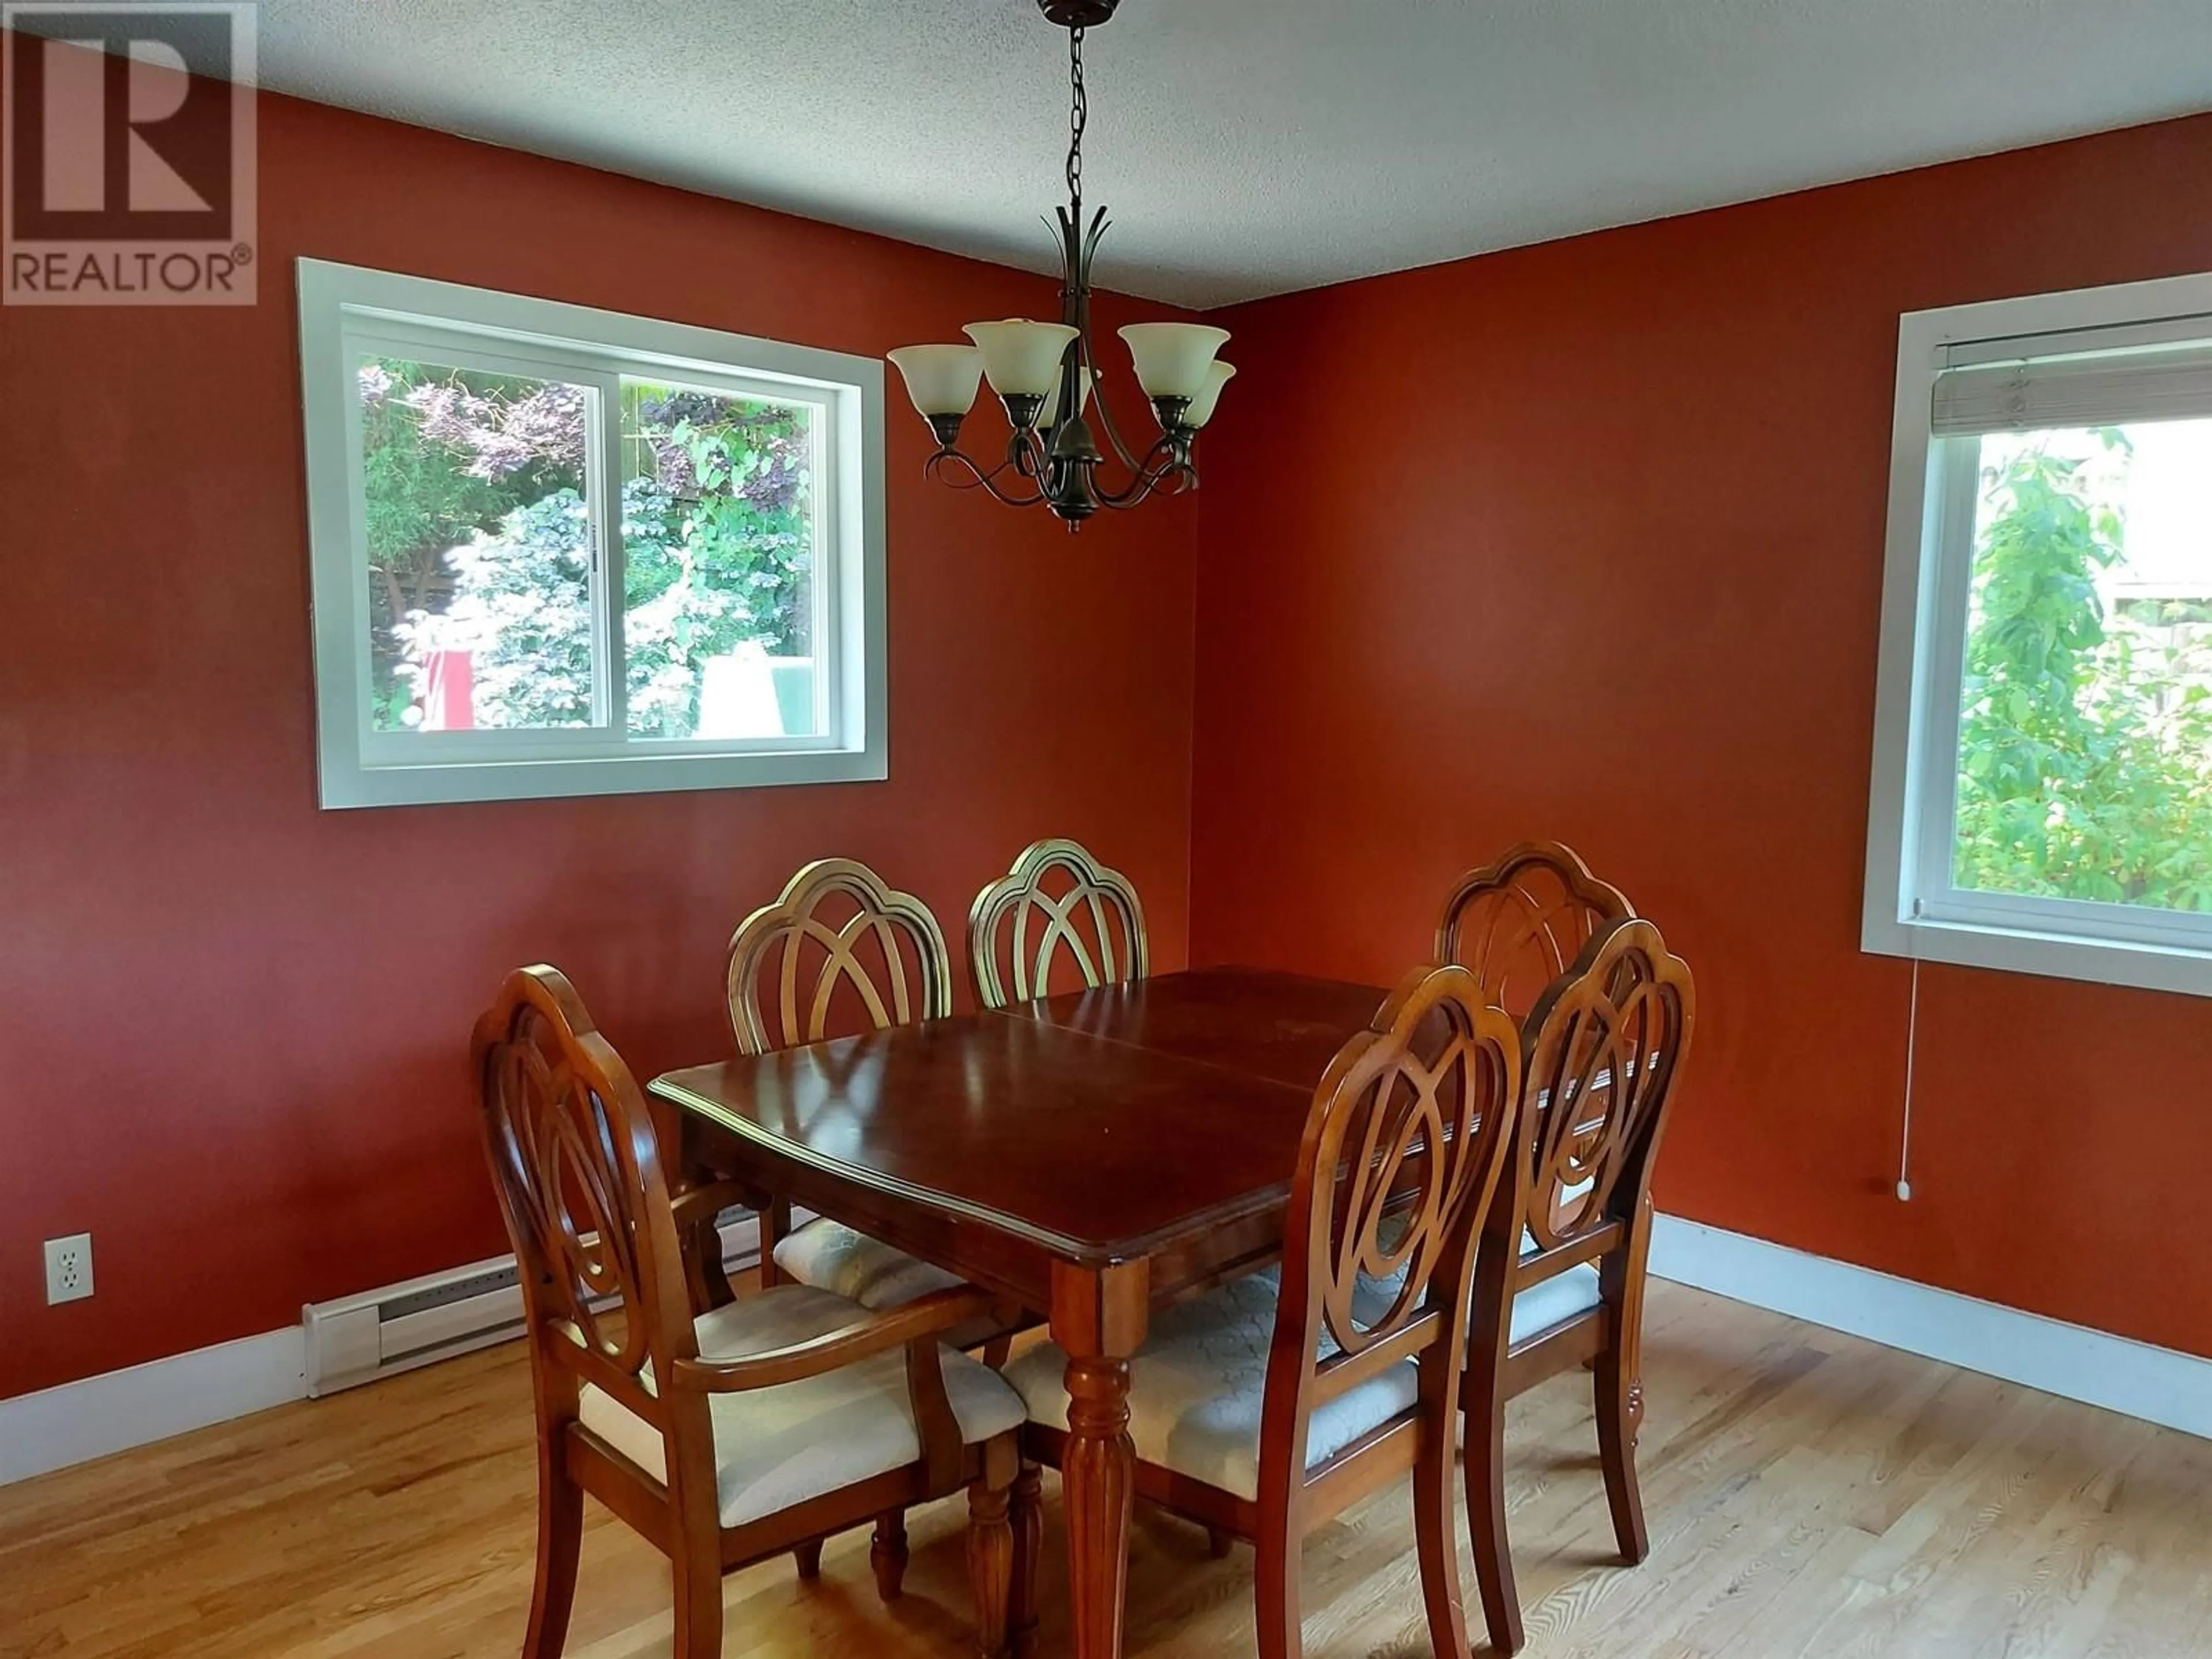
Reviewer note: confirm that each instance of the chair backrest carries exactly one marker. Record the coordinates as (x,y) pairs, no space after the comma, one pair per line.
(1057,905)
(1519,922)
(1601,1055)
(1407,1138)
(579,1183)
(838,953)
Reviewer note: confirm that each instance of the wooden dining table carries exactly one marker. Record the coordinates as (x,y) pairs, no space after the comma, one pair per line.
(1089,1156)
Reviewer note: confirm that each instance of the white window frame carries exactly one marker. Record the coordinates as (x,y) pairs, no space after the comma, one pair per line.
(1911,908)
(344,308)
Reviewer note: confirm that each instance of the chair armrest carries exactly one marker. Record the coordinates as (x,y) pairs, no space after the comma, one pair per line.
(871,1334)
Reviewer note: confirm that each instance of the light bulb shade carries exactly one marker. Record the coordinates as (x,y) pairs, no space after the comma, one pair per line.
(940,379)
(1021,359)
(1200,408)
(1051,410)
(1172,358)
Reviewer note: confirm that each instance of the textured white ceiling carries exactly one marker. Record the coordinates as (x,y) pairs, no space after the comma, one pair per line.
(1247,147)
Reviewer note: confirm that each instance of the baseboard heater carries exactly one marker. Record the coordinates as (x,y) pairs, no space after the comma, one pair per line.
(359,1339)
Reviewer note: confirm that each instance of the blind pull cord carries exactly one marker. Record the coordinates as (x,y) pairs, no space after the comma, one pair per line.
(1912,1043)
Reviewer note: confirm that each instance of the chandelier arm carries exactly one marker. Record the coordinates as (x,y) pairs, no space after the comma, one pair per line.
(977,479)
(1078,251)
(1162,466)
(1139,491)
(1112,433)
(1079,243)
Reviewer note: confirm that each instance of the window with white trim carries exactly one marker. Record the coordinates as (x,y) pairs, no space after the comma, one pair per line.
(562,551)
(2042,795)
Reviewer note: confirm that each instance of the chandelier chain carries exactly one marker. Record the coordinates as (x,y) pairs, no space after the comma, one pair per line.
(1078,115)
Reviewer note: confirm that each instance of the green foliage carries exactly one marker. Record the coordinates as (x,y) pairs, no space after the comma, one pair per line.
(717,546)
(682,606)
(422,500)
(522,604)
(486,474)
(2085,749)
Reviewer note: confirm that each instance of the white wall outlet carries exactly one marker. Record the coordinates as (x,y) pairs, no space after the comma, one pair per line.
(69,1268)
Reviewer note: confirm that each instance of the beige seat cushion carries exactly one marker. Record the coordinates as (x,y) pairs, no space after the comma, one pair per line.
(776,1448)
(1197,1386)
(831,1256)
(1536,1308)
(1195,1389)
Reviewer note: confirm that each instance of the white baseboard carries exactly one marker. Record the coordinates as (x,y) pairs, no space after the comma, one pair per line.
(77,1422)
(2158,1385)
(115,1411)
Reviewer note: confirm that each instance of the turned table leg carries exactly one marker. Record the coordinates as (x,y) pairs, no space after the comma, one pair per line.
(1099,1318)
(1098,1483)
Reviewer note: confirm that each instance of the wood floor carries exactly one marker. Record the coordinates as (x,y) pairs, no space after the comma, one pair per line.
(1809,1494)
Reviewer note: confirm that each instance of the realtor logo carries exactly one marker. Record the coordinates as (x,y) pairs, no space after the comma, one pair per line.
(126,156)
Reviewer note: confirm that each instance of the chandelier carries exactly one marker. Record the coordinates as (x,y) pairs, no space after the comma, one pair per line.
(1045,374)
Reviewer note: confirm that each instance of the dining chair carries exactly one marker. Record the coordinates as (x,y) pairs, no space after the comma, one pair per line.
(1058,905)
(841,953)
(1519,922)
(1561,1274)
(755,1429)
(1266,1406)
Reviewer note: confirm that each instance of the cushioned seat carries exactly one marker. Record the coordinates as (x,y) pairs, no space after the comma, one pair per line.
(1540,1306)
(1196,1386)
(831,1256)
(778,1447)
(1536,1308)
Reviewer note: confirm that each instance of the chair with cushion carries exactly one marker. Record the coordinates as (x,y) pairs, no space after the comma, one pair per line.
(1058,905)
(756,1429)
(840,952)
(1561,1282)
(1518,923)
(1265,1406)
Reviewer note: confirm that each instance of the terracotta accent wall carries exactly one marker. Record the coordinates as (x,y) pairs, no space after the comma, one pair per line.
(1585,541)
(233,1028)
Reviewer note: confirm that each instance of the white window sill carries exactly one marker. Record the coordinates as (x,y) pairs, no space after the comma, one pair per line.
(2054,956)
(442,783)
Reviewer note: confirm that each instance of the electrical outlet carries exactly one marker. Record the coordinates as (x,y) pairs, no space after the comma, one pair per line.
(69,1268)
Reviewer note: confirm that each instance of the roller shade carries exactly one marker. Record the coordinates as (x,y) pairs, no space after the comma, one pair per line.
(2167,385)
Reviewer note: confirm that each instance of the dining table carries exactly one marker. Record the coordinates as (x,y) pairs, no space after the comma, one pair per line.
(1088,1157)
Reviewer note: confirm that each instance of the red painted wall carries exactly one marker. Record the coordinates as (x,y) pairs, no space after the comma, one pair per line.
(234,1025)
(1581,540)
(1585,540)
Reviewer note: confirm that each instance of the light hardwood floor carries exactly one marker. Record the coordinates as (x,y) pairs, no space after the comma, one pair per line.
(1809,1494)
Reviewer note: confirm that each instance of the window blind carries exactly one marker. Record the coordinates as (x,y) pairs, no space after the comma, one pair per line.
(2032,394)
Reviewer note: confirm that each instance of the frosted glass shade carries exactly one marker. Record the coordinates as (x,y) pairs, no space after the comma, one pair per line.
(1172,358)
(1051,410)
(1200,408)
(1021,359)
(940,379)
